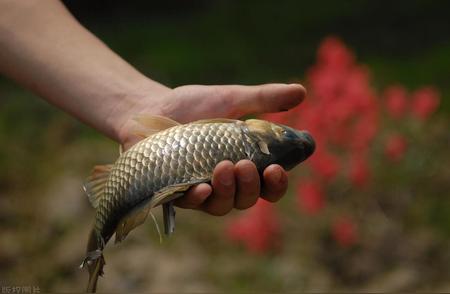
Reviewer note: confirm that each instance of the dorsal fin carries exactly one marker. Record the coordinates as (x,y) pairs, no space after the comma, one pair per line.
(94,185)
(150,124)
(215,120)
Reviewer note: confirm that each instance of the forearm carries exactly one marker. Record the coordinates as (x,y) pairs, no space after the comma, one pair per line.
(45,49)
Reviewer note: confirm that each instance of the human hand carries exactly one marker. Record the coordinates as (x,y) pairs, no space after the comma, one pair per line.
(86,79)
(233,186)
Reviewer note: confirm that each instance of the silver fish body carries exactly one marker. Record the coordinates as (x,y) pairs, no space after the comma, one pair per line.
(179,157)
(182,154)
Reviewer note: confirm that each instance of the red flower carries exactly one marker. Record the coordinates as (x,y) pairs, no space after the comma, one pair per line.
(325,164)
(425,102)
(395,147)
(258,230)
(342,107)
(310,197)
(359,171)
(364,131)
(344,232)
(332,52)
(343,114)
(396,101)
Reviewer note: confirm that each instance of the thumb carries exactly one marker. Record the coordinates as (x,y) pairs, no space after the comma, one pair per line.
(264,98)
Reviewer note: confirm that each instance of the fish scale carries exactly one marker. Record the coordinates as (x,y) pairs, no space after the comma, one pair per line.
(165,164)
(164,159)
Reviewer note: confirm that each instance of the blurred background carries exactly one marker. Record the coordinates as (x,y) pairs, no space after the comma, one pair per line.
(369,212)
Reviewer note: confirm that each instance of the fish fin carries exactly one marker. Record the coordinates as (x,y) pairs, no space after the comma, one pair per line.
(94,185)
(139,214)
(94,261)
(151,124)
(157,227)
(216,120)
(169,217)
(132,220)
(95,270)
(263,147)
(173,192)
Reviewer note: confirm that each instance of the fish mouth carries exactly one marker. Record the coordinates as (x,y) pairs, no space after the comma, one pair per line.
(301,147)
(308,142)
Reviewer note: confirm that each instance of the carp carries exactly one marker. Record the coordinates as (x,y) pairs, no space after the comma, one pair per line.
(168,161)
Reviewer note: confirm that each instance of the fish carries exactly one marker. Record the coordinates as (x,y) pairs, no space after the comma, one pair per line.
(171,158)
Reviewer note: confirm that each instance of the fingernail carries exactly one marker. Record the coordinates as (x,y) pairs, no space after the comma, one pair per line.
(298,86)
(226,179)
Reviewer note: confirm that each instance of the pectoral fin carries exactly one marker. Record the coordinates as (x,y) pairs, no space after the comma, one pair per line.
(168,194)
(263,147)
(139,214)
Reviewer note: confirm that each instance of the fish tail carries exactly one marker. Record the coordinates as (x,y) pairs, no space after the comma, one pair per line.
(94,261)
(95,271)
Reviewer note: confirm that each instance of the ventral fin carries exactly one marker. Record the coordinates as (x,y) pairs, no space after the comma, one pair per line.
(135,218)
(151,124)
(139,214)
(94,185)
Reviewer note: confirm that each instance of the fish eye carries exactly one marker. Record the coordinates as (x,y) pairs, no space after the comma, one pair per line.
(288,134)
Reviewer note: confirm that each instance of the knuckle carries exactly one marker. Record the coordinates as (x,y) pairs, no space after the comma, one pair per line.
(218,212)
(272,195)
(260,99)
(271,198)
(243,206)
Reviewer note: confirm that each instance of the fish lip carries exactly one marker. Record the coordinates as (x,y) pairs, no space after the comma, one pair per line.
(299,148)
(308,143)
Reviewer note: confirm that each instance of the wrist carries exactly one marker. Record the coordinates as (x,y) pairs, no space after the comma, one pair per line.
(145,97)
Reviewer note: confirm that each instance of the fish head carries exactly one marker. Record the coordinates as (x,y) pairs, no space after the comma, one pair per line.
(283,145)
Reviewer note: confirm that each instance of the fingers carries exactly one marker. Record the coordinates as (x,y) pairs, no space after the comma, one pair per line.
(194,197)
(262,98)
(275,183)
(231,101)
(235,186)
(248,184)
(224,188)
